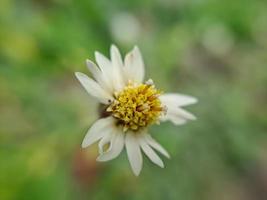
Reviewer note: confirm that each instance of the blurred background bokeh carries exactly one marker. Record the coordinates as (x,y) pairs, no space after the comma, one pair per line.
(214,50)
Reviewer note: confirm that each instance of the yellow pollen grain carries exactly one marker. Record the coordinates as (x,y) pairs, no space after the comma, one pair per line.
(136,106)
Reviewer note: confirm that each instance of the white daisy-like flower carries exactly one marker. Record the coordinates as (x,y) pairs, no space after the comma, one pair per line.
(130,106)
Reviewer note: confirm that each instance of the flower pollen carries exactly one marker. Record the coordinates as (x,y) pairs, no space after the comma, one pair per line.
(137,106)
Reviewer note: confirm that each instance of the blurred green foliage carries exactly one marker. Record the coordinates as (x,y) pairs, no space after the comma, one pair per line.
(214,50)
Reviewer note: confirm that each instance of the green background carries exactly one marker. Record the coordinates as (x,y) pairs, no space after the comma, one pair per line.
(214,50)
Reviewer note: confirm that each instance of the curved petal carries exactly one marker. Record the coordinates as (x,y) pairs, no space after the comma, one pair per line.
(134,153)
(103,62)
(173,118)
(115,56)
(99,76)
(176,115)
(93,88)
(104,141)
(93,69)
(156,145)
(116,144)
(177,100)
(134,65)
(117,74)
(150,152)
(185,115)
(98,130)
(105,66)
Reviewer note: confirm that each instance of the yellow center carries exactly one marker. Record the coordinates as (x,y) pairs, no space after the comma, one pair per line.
(136,106)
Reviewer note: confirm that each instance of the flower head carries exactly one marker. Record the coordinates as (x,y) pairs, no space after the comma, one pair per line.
(131,106)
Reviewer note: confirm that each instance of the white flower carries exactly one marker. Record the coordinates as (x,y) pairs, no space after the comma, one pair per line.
(131,106)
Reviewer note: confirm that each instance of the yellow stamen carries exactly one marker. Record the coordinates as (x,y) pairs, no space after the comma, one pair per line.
(136,106)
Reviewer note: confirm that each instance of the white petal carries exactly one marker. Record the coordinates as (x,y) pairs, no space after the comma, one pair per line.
(134,153)
(173,118)
(99,129)
(115,56)
(173,115)
(177,115)
(116,146)
(177,100)
(104,141)
(103,62)
(185,115)
(105,66)
(117,74)
(156,145)
(150,152)
(134,65)
(93,69)
(94,88)
(99,76)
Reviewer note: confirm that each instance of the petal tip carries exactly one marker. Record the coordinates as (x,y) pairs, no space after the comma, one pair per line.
(80,74)
(88,61)
(91,65)
(136,173)
(77,73)
(112,46)
(84,145)
(96,54)
(162,166)
(195,100)
(99,159)
(136,47)
(167,155)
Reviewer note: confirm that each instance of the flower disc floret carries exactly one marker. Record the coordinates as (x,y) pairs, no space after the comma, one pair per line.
(136,106)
